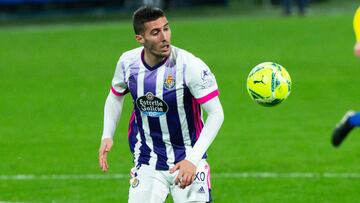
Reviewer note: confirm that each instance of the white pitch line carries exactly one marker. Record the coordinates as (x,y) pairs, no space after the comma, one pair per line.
(286,175)
(243,175)
(63,177)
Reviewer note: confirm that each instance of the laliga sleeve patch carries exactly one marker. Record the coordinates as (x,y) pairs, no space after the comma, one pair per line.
(207,79)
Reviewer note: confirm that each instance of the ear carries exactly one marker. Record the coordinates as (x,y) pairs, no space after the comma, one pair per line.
(140,39)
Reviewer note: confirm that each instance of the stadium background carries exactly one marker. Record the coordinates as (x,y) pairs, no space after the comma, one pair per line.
(57,61)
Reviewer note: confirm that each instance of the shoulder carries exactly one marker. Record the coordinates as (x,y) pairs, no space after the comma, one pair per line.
(125,60)
(188,59)
(196,70)
(181,54)
(131,55)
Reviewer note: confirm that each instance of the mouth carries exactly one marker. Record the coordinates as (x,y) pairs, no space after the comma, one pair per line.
(165,47)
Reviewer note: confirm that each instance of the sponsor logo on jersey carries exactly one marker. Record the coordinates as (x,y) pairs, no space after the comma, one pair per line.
(208,79)
(151,105)
(169,82)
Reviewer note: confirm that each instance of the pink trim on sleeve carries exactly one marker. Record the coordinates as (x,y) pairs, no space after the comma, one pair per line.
(197,118)
(208,97)
(132,118)
(207,166)
(116,93)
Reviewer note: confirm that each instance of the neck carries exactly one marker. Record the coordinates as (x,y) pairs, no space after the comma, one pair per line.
(151,59)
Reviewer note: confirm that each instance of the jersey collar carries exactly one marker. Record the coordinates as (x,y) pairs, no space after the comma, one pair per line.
(152,67)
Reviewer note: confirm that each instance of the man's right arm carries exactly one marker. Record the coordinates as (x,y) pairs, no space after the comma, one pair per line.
(112,114)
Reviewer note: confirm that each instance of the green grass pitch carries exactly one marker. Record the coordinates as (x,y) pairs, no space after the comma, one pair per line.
(54,81)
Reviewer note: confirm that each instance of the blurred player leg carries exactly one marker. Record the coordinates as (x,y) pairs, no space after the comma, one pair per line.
(302,6)
(287,6)
(347,123)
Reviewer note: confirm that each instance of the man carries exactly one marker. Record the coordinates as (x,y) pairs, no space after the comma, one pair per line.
(167,137)
(351,119)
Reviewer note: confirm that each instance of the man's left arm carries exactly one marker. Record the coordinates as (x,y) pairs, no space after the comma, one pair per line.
(212,125)
(187,167)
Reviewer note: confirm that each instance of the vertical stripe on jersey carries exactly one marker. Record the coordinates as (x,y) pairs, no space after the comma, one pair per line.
(150,85)
(132,132)
(188,106)
(140,149)
(167,149)
(123,71)
(153,126)
(197,117)
(172,117)
(180,92)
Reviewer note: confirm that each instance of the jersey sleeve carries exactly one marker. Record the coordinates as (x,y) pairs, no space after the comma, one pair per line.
(357,24)
(202,83)
(118,85)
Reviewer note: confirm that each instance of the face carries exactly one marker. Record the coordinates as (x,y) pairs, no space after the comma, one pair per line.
(156,38)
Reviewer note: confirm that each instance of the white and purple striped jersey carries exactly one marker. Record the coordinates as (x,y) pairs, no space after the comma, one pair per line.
(166,120)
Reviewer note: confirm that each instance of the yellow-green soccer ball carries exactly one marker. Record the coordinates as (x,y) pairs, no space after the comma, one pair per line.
(268,84)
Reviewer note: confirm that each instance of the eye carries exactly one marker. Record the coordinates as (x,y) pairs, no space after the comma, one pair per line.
(154,33)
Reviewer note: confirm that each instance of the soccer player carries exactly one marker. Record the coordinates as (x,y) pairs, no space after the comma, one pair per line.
(351,119)
(169,88)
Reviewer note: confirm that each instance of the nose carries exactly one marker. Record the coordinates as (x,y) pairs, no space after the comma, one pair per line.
(165,35)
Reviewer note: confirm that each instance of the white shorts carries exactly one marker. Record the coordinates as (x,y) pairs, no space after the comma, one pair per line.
(148,185)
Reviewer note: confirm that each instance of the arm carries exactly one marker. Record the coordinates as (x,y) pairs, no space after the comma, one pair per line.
(112,113)
(357,32)
(187,167)
(212,125)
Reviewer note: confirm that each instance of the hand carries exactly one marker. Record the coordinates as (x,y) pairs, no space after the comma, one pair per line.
(186,174)
(357,49)
(105,147)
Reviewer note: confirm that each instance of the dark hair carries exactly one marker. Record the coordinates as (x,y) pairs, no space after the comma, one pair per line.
(145,14)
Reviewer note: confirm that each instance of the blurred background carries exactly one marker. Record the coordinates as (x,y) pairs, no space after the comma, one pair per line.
(57,59)
(25,10)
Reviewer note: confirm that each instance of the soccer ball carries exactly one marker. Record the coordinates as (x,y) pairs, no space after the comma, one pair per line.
(268,84)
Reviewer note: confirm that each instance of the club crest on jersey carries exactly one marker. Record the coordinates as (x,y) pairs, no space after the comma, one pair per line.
(134,182)
(151,105)
(169,82)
